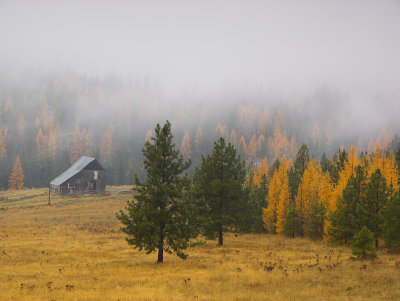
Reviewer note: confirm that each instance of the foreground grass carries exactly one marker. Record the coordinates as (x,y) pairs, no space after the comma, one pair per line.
(73,250)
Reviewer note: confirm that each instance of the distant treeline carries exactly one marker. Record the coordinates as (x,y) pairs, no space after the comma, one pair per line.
(51,120)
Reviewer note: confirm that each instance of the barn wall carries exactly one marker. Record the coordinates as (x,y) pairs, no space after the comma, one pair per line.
(82,183)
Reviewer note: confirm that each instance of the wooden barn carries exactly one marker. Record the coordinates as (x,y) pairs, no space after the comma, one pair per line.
(86,175)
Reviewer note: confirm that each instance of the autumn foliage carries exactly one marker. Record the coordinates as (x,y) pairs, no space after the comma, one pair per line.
(16,180)
(318,193)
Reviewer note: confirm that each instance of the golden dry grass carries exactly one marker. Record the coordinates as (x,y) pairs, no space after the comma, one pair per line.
(73,250)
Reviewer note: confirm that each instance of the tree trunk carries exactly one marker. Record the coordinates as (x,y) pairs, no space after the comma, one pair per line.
(161,248)
(376,244)
(220,237)
(160,254)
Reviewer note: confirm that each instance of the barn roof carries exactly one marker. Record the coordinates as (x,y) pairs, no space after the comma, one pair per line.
(78,166)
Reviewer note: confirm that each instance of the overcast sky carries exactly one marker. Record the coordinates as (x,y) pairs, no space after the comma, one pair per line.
(352,45)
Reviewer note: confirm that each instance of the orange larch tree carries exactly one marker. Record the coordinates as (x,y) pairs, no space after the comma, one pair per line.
(148,136)
(76,145)
(16,180)
(284,198)
(270,213)
(41,145)
(261,173)
(252,148)
(197,138)
(21,126)
(242,145)
(222,130)
(344,176)
(234,139)
(186,148)
(3,144)
(278,199)
(316,135)
(260,141)
(106,144)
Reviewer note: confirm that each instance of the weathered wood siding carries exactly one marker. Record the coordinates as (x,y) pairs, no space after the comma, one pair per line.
(86,181)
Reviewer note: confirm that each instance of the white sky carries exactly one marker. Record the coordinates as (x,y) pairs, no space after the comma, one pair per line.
(353,45)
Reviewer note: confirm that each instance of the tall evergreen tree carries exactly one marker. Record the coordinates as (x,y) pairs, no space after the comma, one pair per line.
(219,183)
(339,161)
(362,245)
(161,217)
(317,220)
(296,172)
(344,221)
(254,199)
(372,203)
(391,223)
(292,223)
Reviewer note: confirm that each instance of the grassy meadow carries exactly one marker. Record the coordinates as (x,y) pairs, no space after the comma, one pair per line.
(73,250)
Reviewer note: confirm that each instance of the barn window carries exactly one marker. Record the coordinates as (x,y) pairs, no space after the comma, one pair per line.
(95,175)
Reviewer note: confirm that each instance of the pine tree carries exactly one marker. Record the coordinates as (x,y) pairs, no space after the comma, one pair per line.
(391,223)
(16,180)
(299,166)
(362,245)
(219,183)
(371,206)
(292,223)
(161,216)
(317,220)
(251,210)
(344,221)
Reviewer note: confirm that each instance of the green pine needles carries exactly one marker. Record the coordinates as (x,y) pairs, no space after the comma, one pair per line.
(362,245)
(160,217)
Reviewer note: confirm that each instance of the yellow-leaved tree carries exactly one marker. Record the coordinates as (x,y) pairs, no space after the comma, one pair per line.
(197,138)
(106,144)
(186,148)
(41,144)
(16,180)
(3,145)
(261,173)
(278,199)
(344,176)
(387,165)
(234,139)
(252,148)
(315,190)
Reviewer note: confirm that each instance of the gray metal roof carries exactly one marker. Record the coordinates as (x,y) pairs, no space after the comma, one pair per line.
(79,165)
